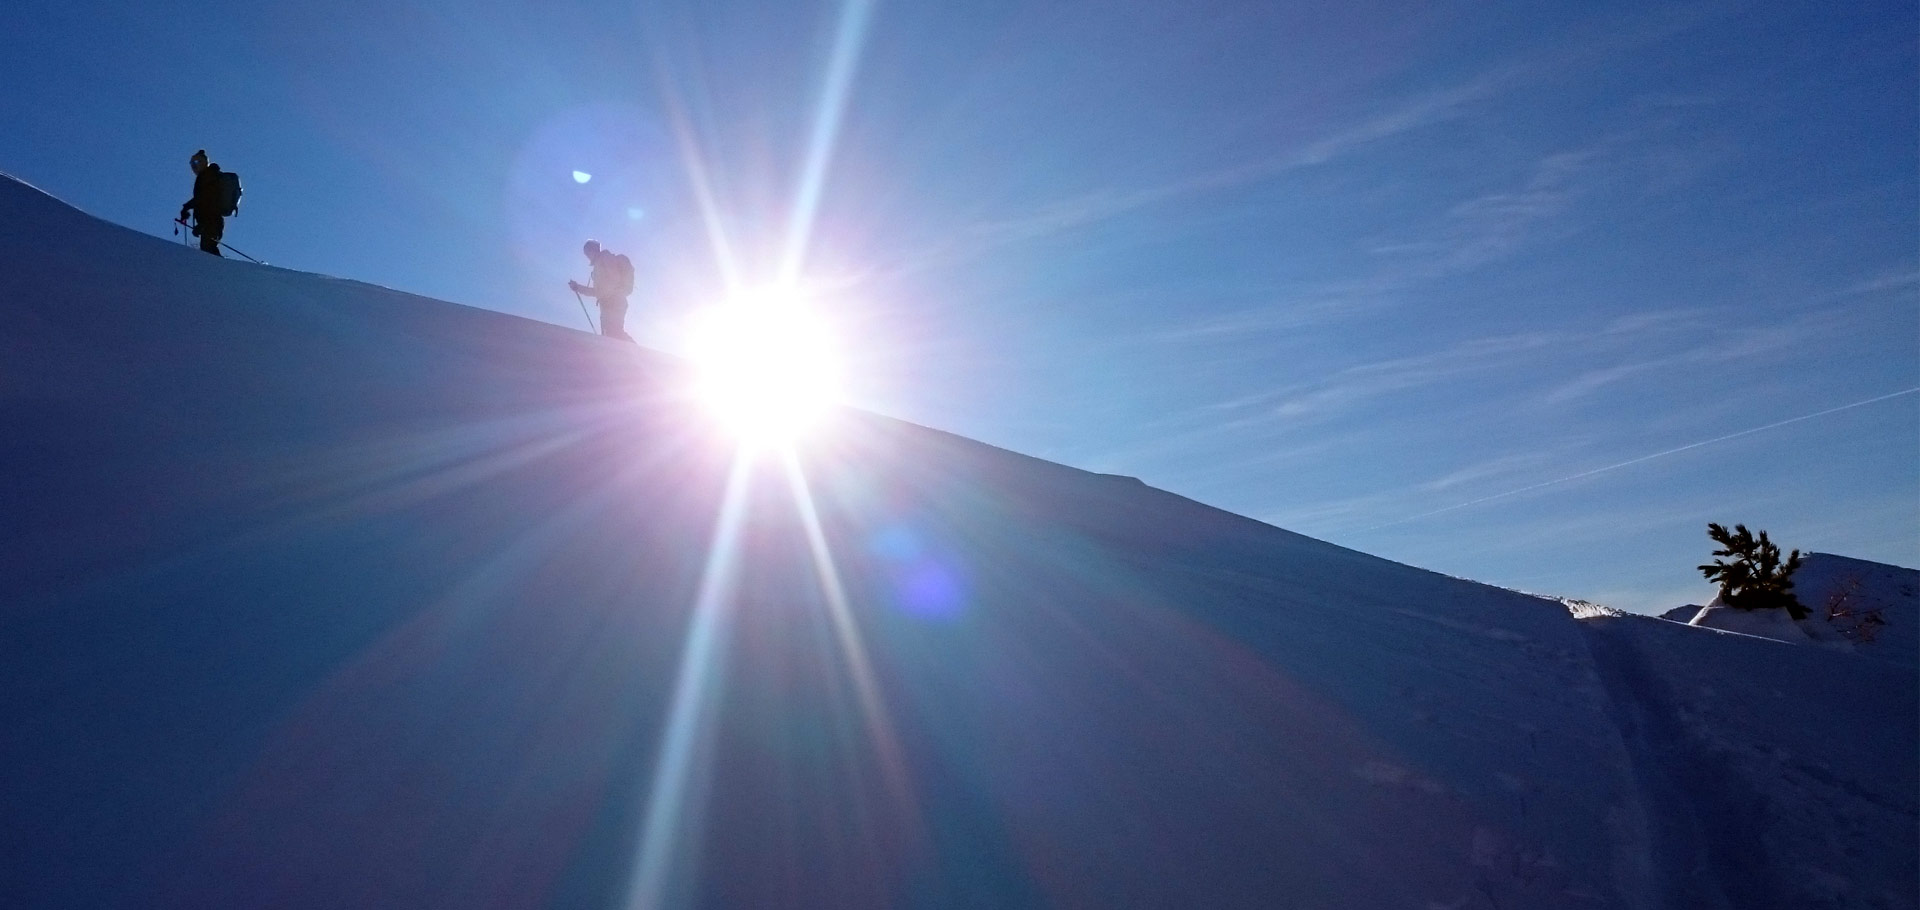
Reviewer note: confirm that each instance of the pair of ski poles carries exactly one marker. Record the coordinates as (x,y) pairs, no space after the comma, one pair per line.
(181,222)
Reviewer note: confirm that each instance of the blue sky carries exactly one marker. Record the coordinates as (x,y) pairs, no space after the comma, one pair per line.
(1430,280)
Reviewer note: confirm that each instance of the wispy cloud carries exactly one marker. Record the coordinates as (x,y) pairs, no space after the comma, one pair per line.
(1403,116)
(1471,234)
(1354,384)
(1645,458)
(1492,227)
(1890,281)
(1685,340)
(1417,113)
(1685,319)
(1062,215)
(1502,466)
(1679,339)
(1292,310)
(1410,115)
(1643,346)
(1708,98)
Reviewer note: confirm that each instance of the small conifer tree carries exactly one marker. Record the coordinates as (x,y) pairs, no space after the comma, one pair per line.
(1751,573)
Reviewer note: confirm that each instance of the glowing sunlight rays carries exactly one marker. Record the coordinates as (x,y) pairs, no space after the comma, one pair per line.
(691,159)
(847,40)
(847,632)
(767,367)
(673,810)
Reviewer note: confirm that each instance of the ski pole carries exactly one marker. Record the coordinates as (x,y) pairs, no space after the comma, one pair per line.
(248,258)
(229,246)
(583,312)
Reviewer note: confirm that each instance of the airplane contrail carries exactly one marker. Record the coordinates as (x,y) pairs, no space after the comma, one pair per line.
(1634,461)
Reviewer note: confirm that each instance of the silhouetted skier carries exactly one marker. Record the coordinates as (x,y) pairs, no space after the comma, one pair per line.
(609,285)
(216,194)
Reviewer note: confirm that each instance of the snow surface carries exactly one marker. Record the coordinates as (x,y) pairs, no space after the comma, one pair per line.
(1853,605)
(1785,775)
(1775,624)
(318,594)
(1684,613)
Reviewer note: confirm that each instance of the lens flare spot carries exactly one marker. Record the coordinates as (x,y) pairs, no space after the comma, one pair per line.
(896,543)
(931,591)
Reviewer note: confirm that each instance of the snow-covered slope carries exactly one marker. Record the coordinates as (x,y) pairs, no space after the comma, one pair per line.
(1682,614)
(319,595)
(1854,605)
(1785,773)
(1778,625)
(1872,607)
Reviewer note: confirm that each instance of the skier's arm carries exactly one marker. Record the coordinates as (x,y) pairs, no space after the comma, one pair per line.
(201,188)
(585,290)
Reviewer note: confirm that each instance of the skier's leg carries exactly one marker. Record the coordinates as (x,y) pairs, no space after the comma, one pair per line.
(613,318)
(210,231)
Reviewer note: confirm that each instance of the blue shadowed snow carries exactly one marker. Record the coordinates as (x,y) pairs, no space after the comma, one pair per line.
(318,594)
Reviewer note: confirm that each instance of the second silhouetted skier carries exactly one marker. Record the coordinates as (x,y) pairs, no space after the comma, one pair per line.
(610,284)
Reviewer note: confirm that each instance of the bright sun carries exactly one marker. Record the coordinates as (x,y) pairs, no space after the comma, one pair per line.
(768,367)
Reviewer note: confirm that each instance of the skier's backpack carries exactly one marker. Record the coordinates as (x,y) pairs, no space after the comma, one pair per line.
(229,193)
(620,276)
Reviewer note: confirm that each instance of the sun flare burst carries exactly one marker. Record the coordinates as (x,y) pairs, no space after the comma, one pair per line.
(768,365)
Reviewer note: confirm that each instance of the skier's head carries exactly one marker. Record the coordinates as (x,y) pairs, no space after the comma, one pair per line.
(591,248)
(199,161)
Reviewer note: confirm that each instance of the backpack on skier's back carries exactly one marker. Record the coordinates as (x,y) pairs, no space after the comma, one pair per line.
(620,276)
(229,193)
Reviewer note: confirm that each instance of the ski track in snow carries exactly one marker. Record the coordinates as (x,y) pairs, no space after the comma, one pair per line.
(1768,794)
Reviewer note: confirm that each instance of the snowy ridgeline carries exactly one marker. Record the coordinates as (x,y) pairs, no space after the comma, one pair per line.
(1866,608)
(318,595)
